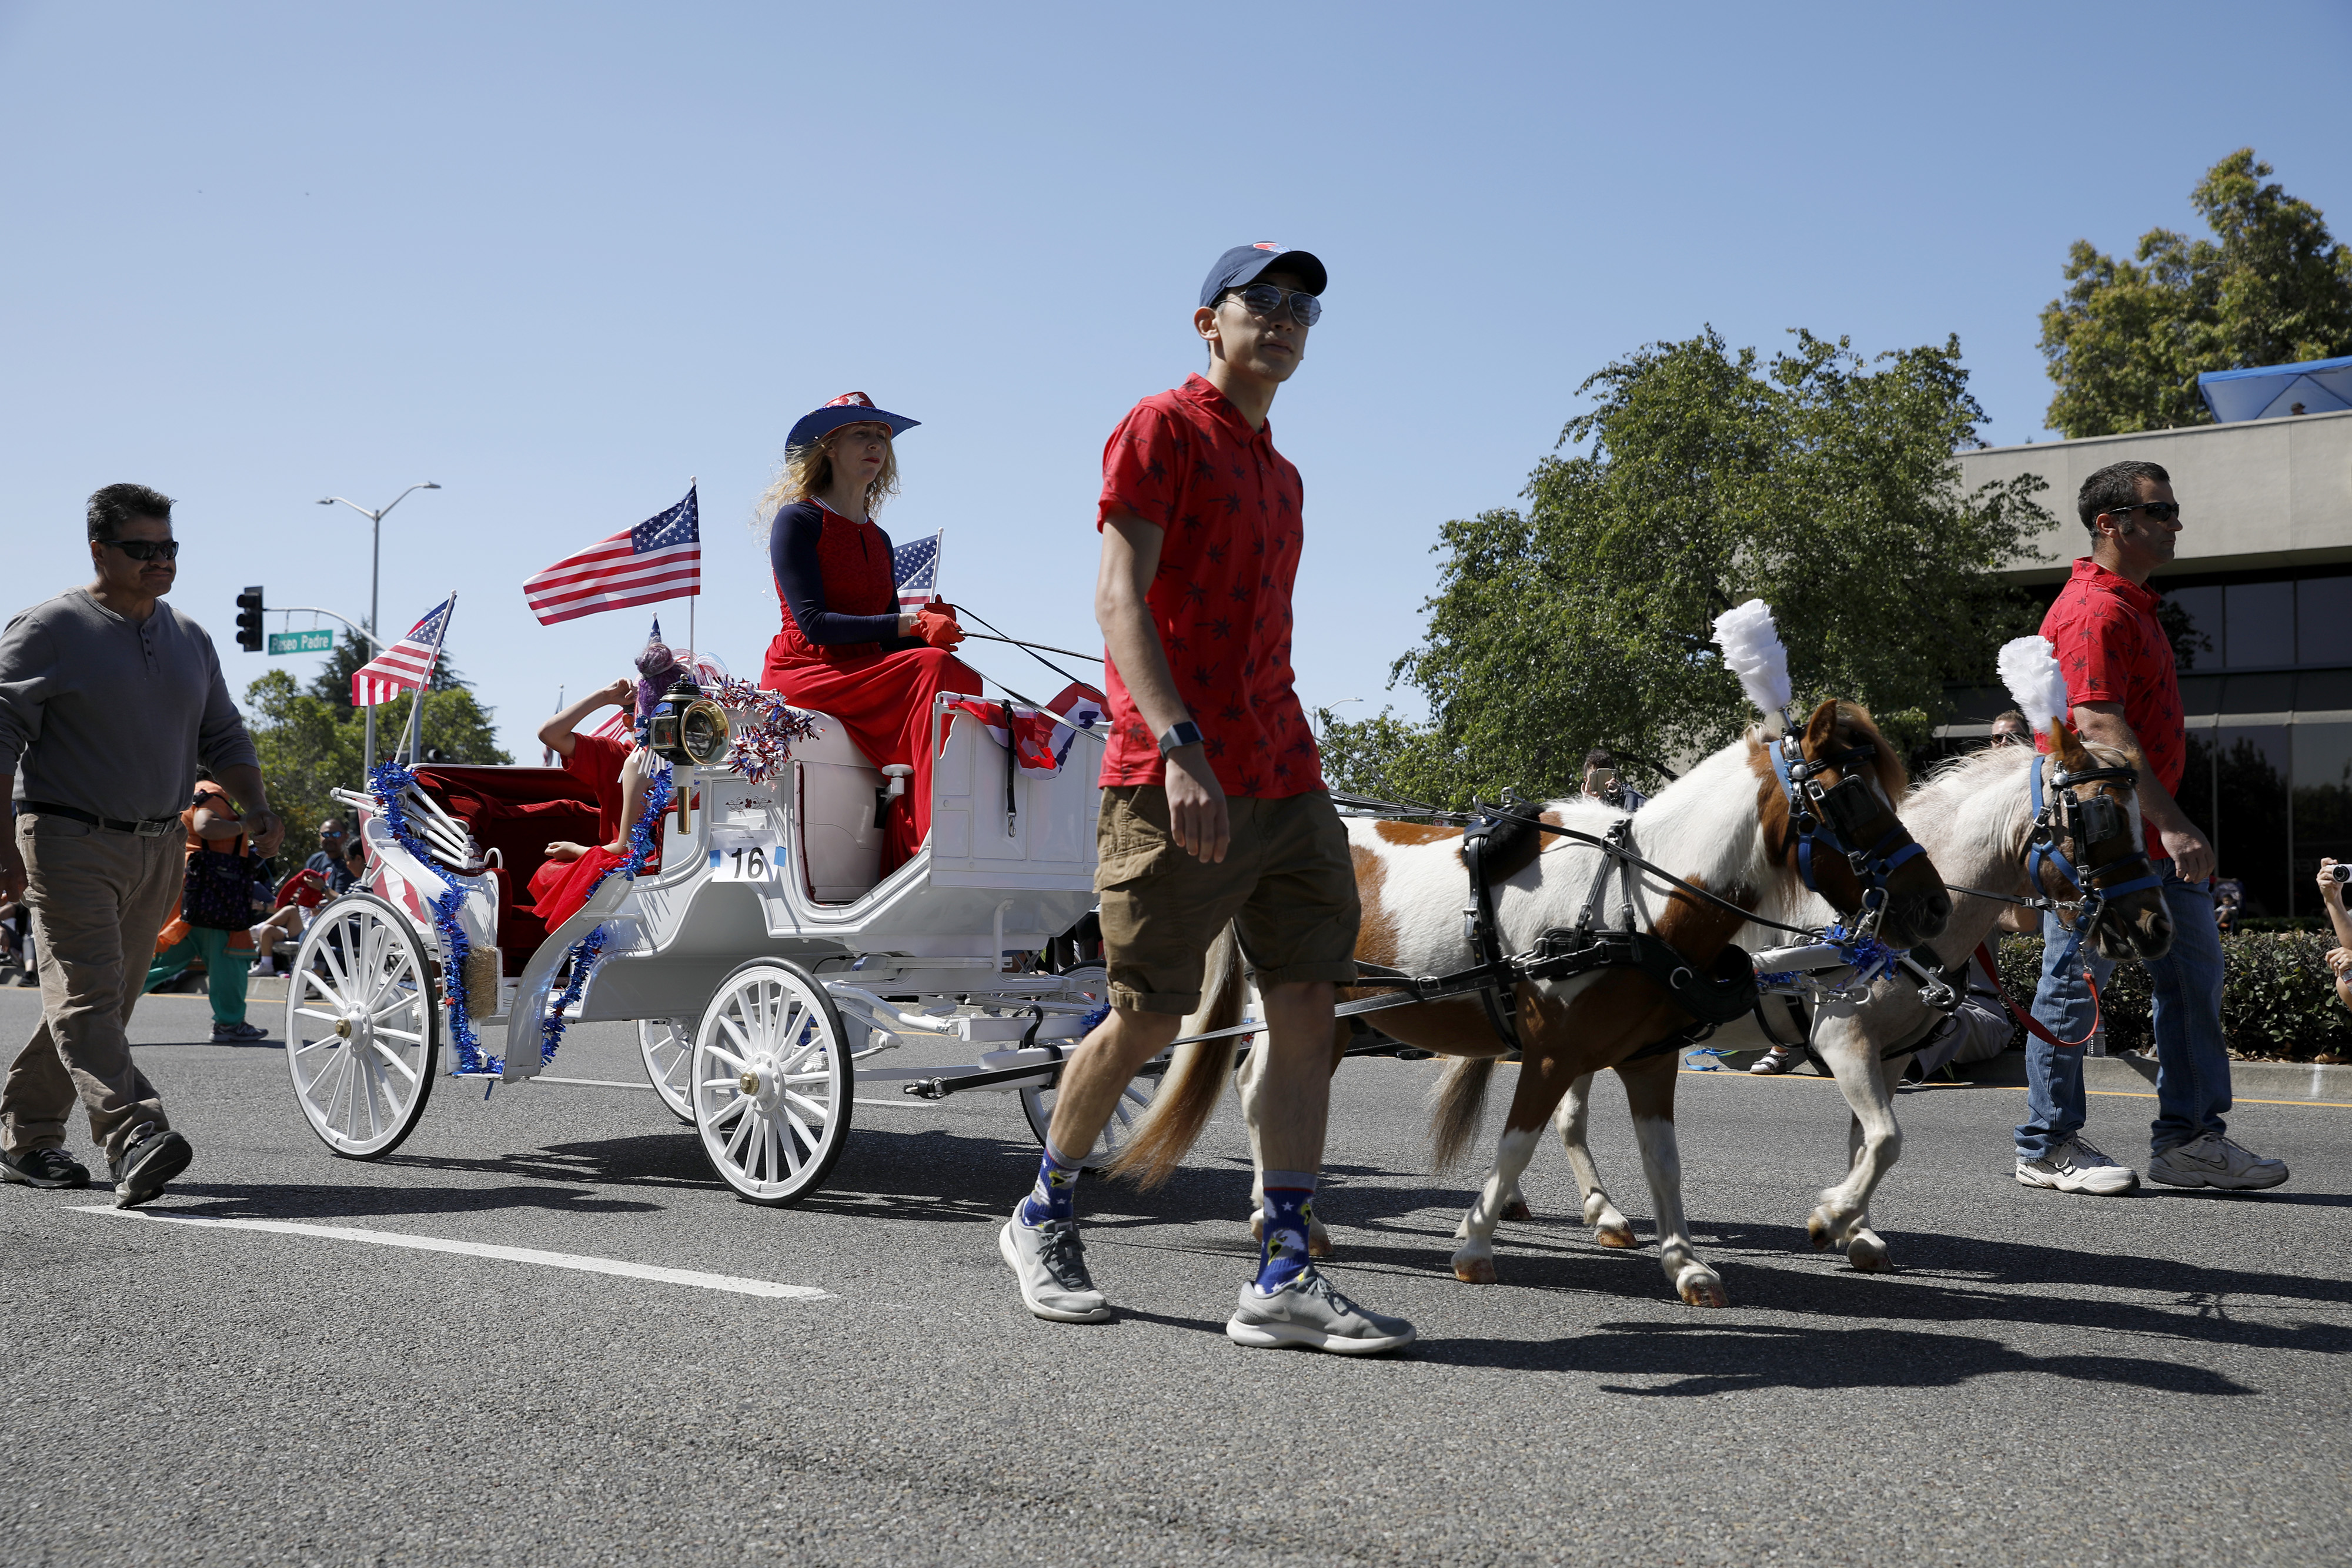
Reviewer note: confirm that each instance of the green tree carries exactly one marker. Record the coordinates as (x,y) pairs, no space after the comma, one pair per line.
(313,740)
(2126,340)
(1822,485)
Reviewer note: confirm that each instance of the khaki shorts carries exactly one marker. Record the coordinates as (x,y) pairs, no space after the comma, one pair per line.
(1288,879)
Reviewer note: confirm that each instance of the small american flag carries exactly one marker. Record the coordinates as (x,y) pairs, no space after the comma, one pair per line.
(659,559)
(917,564)
(407,664)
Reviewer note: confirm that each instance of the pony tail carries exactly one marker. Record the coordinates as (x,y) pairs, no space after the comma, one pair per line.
(1196,1078)
(1458,1104)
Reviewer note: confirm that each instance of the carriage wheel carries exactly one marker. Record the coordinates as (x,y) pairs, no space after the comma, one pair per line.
(362,1016)
(1037,1104)
(667,1046)
(769,1081)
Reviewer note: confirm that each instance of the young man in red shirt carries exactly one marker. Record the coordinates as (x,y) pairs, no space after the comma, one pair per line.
(1214,807)
(2126,691)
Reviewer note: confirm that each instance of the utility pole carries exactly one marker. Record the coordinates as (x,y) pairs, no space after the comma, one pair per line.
(376,578)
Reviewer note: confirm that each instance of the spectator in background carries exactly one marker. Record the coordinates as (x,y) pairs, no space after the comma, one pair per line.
(2010,729)
(2339,957)
(2126,691)
(214,826)
(109,698)
(328,861)
(1602,784)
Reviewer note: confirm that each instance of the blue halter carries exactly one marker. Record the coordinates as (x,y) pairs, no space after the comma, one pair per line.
(1809,812)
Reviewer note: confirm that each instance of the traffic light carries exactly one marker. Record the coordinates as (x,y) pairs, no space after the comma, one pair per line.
(248,620)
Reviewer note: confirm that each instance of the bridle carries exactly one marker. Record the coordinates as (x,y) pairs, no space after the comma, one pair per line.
(2088,824)
(1837,817)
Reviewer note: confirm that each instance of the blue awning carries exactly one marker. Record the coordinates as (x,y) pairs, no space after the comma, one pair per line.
(2272,392)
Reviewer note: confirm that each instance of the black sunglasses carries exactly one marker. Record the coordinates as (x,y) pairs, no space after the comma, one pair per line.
(1264,300)
(146,550)
(2162,511)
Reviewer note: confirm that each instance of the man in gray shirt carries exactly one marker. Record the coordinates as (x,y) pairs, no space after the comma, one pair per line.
(109,698)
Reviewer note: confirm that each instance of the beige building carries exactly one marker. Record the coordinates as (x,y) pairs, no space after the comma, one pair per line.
(2259,605)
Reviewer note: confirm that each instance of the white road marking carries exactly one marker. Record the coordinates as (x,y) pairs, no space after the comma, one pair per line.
(484,1249)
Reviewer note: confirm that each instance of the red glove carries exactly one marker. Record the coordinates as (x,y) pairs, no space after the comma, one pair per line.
(936,624)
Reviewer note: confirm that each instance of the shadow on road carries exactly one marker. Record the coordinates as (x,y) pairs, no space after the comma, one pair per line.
(1705,1359)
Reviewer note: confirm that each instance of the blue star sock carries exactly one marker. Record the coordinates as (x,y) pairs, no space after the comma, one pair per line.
(1289,1206)
(1054,1194)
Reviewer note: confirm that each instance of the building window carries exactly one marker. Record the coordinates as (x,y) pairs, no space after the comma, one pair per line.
(2323,620)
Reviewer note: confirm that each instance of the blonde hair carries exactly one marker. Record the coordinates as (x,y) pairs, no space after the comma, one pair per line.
(807,471)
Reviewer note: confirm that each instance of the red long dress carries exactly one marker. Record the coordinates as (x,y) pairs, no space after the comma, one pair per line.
(560,887)
(839,652)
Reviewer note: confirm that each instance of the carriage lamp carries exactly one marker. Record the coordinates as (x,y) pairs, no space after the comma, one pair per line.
(688,728)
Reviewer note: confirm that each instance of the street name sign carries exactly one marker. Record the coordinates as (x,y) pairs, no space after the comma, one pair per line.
(319,641)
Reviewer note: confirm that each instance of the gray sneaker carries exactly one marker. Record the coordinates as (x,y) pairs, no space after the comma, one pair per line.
(1309,1312)
(2075,1167)
(2210,1161)
(1050,1262)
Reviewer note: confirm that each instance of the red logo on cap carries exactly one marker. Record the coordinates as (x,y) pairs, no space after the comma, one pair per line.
(850,400)
(1266,245)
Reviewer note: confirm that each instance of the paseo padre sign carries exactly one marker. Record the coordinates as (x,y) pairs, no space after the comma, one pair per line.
(320,641)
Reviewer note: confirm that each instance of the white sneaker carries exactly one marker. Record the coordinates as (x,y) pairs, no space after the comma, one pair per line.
(2075,1167)
(1050,1263)
(1308,1311)
(2210,1161)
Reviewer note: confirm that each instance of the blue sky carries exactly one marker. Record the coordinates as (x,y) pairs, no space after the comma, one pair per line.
(559,258)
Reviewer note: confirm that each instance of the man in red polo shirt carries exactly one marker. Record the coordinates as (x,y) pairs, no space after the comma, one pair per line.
(1214,807)
(2126,692)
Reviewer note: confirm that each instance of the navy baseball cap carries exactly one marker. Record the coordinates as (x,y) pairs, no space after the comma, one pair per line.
(849,408)
(1239,267)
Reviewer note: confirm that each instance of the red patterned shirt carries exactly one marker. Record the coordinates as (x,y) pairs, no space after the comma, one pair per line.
(1186,461)
(2112,650)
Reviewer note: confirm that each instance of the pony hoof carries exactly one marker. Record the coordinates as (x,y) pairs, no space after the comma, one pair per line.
(1704,1290)
(1518,1209)
(1869,1257)
(1817,1228)
(1475,1271)
(1616,1236)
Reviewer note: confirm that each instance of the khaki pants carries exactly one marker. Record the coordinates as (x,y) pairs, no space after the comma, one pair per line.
(98,898)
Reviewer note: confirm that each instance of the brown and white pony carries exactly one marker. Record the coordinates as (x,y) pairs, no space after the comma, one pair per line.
(1974,818)
(1724,826)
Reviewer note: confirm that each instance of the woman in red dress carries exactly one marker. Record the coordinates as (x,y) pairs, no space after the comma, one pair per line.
(846,648)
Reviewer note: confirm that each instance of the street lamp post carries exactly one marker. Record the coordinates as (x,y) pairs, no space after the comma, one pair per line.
(375,578)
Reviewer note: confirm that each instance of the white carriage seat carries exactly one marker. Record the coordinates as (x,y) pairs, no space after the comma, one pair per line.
(836,807)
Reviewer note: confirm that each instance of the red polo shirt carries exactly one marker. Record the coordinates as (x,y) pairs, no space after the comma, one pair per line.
(1230,503)
(2111,649)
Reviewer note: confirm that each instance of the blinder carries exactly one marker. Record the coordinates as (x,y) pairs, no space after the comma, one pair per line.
(1838,816)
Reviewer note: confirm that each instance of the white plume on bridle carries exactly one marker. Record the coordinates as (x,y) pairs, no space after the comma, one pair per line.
(1751,647)
(2029,668)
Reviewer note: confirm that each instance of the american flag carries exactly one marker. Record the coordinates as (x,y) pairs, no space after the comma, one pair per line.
(916,565)
(404,666)
(659,559)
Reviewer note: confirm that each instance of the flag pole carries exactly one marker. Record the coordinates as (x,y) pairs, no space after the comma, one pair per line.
(416,705)
(690,646)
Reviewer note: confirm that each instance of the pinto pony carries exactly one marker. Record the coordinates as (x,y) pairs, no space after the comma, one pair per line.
(1726,827)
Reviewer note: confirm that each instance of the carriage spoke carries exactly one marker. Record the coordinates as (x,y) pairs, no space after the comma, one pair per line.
(387,1054)
(315,1013)
(742,1044)
(773,1172)
(729,1057)
(743,1129)
(821,1111)
(402,1034)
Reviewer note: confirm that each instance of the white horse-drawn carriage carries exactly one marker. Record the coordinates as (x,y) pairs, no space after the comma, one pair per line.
(766,964)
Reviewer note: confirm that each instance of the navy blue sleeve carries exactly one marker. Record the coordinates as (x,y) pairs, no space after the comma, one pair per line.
(792,550)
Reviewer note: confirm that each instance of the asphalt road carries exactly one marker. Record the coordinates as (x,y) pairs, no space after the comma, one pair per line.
(2044,1378)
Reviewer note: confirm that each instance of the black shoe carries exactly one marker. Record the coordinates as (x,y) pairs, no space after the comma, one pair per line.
(146,1166)
(44,1168)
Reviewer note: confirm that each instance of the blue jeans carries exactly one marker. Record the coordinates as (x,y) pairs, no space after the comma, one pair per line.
(2192,1064)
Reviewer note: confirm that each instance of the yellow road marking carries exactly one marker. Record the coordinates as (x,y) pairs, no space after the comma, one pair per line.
(2019,1088)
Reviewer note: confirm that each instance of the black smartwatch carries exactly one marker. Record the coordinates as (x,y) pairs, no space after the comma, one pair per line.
(1184,732)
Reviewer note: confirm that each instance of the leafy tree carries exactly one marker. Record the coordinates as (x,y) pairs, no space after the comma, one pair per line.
(2128,339)
(1822,485)
(312,741)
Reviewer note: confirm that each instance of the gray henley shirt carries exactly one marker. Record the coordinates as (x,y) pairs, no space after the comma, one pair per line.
(111,715)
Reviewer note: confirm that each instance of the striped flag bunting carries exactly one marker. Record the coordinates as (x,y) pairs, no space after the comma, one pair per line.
(659,559)
(406,664)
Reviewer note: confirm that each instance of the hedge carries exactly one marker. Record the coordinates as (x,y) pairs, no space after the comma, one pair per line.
(2278,998)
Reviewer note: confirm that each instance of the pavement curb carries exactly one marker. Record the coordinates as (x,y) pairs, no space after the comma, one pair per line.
(2130,1072)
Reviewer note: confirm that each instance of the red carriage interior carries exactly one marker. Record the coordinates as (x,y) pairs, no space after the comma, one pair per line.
(516,811)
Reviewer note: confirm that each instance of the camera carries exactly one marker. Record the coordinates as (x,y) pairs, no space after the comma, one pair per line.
(2340,873)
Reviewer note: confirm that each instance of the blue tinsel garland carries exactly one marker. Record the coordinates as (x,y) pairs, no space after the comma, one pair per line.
(388,783)
(591,947)
(1869,957)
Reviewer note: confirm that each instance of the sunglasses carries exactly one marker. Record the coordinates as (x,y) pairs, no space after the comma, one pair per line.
(1264,300)
(2158,511)
(146,550)
(2006,738)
